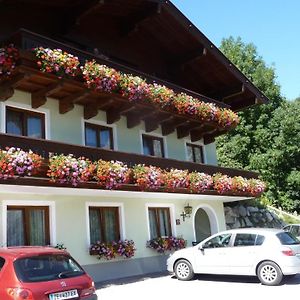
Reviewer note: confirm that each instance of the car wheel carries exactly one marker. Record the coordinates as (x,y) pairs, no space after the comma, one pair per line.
(269,273)
(184,270)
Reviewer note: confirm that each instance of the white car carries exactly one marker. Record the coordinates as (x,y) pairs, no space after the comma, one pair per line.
(268,254)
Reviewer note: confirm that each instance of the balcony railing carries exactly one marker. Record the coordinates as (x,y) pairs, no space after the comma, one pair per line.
(46,147)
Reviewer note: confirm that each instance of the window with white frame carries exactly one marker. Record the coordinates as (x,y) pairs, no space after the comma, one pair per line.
(27,226)
(159,222)
(104,223)
(98,136)
(195,153)
(153,145)
(25,122)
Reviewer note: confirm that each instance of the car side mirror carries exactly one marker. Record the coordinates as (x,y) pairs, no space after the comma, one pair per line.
(201,249)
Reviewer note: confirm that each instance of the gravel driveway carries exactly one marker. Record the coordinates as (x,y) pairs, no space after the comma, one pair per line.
(226,287)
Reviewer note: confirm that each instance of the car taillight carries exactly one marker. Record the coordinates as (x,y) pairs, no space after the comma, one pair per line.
(19,293)
(288,252)
(88,291)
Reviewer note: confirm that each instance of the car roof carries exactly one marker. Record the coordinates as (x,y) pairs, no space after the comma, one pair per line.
(25,251)
(254,230)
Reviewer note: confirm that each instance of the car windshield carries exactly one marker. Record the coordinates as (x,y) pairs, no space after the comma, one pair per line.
(46,267)
(286,238)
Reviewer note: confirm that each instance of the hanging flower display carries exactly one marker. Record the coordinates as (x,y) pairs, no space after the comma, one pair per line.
(100,77)
(175,178)
(222,183)
(57,61)
(148,177)
(125,249)
(68,169)
(256,187)
(199,182)
(110,174)
(9,56)
(163,244)
(160,95)
(15,161)
(240,184)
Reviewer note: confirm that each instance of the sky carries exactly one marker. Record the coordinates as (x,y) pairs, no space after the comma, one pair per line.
(273,26)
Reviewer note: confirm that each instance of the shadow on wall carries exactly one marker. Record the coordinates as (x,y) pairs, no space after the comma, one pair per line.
(238,216)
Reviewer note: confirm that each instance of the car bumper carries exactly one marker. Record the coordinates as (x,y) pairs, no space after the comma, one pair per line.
(91,297)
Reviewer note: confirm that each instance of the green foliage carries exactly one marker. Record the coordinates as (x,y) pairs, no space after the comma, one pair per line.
(268,137)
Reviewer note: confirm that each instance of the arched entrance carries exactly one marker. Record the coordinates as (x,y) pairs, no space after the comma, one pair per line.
(205,223)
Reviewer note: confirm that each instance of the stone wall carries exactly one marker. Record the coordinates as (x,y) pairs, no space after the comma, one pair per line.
(241,215)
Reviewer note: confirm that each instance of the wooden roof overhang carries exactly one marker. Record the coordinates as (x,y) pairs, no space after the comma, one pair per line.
(151,36)
(27,77)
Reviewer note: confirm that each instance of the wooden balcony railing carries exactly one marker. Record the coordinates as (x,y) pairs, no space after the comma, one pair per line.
(45,147)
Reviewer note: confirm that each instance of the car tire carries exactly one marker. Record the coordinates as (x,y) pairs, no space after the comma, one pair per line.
(183,270)
(269,273)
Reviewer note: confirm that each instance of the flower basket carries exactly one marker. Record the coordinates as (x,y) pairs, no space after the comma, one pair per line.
(176,179)
(199,182)
(111,174)
(68,169)
(9,56)
(124,249)
(148,177)
(57,61)
(163,244)
(256,187)
(240,184)
(15,161)
(222,183)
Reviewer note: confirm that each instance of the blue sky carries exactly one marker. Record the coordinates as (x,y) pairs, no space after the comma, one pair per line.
(273,26)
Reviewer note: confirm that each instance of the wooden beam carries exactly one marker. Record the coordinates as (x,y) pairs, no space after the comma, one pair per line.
(208,139)
(7,88)
(112,116)
(39,98)
(191,57)
(196,135)
(90,111)
(236,91)
(151,125)
(132,24)
(88,10)
(182,131)
(67,103)
(167,128)
(133,120)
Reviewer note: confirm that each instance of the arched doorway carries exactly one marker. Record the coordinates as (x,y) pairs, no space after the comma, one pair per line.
(205,223)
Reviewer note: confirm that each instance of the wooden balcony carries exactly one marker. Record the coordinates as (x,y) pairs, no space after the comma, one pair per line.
(46,147)
(72,91)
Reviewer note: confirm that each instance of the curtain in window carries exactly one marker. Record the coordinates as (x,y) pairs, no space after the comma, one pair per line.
(190,153)
(105,138)
(152,224)
(90,137)
(198,154)
(37,227)
(157,148)
(14,122)
(164,222)
(95,225)
(111,232)
(15,229)
(34,127)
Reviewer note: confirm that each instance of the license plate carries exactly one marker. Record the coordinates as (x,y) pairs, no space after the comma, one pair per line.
(64,295)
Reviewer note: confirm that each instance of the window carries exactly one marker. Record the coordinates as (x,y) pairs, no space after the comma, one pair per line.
(28,226)
(98,136)
(25,122)
(195,153)
(104,224)
(245,239)
(153,145)
(159,221)
(2,262)
(218,241)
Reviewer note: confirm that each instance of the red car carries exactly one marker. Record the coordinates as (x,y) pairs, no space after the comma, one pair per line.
(40,273)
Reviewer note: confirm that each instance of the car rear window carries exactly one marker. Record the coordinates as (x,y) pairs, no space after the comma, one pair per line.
(46,268)
(286,238)
(2,262)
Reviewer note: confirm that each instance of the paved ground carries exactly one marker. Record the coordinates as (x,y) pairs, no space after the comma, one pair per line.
(224,287)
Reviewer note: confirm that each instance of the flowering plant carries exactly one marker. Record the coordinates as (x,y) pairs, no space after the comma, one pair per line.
(100,77)
(14,161)
(163,244)
(256,186)
(227,118)
(176,178)
(148,177)
(240,184)
(110,174)
(125,249)
(9,56)
(222,183)
(57,61)
(68,169)
(134,88)
(160,95)
(199,182)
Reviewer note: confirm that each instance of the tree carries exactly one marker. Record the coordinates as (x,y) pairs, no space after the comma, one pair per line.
(263,139)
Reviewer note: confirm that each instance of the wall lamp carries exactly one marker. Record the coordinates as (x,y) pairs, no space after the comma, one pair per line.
(186,213)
